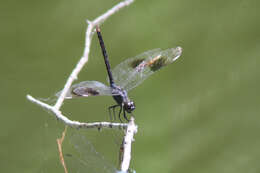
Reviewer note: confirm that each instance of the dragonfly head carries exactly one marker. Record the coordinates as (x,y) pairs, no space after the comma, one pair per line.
(129,106)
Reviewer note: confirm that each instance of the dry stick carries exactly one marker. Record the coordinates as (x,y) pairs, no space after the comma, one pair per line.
(131,127)
(73,76)
(59,142)
(76,124)
(127,143)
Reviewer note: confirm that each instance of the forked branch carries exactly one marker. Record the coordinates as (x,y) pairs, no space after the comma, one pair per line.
(55,109)
(91,26)
(73,76)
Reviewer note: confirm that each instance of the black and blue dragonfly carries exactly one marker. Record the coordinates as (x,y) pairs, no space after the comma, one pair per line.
(125,76)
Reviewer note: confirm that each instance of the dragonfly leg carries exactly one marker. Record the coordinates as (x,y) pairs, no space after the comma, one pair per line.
(120,114)
(113,108)
(125,116)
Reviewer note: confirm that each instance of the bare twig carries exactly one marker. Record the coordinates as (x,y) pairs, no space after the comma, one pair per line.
(91,25)
(76,124)
(59,143)
(73,76)
(131,127)
(128,139)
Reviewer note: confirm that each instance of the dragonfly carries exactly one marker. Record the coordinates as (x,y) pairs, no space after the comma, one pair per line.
(124,77)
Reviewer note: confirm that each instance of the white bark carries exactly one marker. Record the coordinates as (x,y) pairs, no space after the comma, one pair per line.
(127,145)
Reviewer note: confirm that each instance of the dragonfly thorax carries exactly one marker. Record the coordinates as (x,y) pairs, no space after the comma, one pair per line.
(123,99)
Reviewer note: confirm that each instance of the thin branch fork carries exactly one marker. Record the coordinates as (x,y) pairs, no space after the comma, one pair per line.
(73,76)
(91,26)
(131,128)
(76,124)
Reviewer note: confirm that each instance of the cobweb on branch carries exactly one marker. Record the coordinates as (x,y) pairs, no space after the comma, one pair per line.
(86,158)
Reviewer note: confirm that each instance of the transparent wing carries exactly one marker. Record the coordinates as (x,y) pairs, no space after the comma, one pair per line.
(89,88)
(134,71)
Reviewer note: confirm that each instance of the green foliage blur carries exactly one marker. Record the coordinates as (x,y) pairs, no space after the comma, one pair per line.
(199,114)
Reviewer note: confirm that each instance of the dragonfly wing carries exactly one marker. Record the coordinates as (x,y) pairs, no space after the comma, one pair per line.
(125,70)
(134,71)
(89,88)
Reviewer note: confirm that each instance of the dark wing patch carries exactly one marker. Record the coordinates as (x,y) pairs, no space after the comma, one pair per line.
(136,62)
(83,91)
(89,88)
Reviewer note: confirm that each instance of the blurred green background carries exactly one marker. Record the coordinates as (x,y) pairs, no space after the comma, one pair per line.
(199,114)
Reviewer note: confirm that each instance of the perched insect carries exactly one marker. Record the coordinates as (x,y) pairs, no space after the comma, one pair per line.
(126,76)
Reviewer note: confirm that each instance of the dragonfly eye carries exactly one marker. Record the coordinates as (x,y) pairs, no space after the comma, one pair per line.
(129,107)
